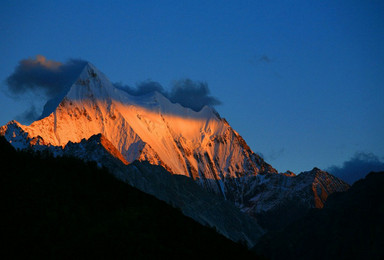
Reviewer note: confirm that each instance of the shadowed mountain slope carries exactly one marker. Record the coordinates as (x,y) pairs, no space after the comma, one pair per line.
(350,226)
(65,208)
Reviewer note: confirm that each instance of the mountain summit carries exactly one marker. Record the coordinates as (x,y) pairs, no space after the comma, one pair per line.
(200,145)
(94,120)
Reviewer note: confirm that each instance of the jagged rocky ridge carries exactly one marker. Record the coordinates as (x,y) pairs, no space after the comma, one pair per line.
(200,145)
(278,199)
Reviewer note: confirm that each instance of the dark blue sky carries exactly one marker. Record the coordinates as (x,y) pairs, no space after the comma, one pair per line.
(301,81)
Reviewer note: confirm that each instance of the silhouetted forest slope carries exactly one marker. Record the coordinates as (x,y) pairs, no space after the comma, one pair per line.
(65,208)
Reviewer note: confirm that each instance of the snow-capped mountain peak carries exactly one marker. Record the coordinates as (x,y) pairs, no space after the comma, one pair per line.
(150,127)
(91,83)
(94,120)
(200,145)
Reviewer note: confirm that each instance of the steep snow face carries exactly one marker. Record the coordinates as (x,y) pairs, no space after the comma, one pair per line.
(200,145)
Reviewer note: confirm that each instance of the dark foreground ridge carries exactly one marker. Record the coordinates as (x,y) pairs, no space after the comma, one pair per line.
(65,208)
(350,226)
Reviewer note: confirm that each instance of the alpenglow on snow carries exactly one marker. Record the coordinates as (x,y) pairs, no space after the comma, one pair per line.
(199,145)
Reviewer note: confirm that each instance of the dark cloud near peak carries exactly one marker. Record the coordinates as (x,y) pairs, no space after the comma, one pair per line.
(186,92)
(357,167)
(43,76)
(49,80)
(192,94)
(142,88)
(42,79)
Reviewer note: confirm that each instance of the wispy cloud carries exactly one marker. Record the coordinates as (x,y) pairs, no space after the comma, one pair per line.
(276,154)
(265,58)
(29,115)
(260,154)
(260,59)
